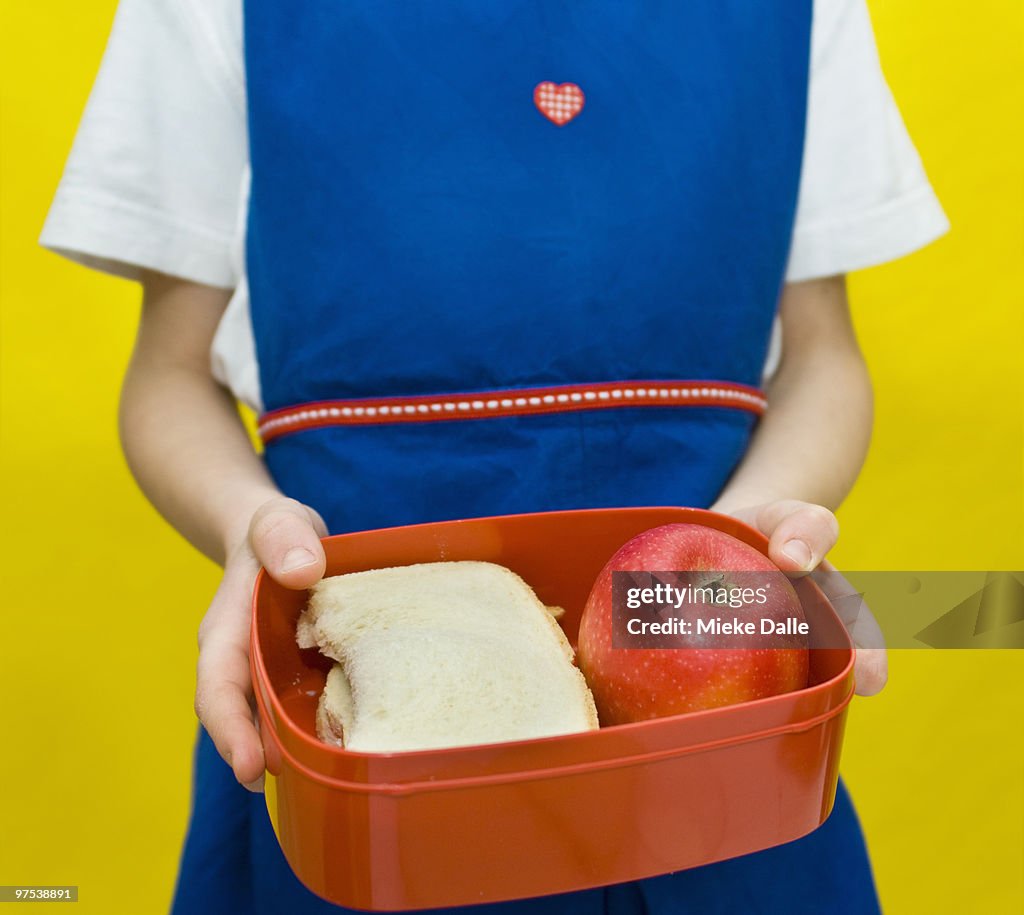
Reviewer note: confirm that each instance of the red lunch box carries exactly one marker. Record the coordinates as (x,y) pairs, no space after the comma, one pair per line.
(398,831)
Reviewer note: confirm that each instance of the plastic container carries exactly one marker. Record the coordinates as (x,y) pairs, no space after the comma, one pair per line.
(390,832)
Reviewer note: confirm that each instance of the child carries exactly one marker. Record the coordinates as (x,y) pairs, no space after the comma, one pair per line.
(522,256)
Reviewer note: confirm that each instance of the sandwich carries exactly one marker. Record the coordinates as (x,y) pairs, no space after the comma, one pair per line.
(441,654)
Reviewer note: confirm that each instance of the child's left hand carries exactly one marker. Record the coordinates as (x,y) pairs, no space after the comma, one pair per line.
(800,534)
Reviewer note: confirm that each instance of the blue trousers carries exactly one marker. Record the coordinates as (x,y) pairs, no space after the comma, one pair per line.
(232,863)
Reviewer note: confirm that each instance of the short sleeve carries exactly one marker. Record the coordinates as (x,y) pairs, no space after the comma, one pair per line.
(154,177)
(864,196)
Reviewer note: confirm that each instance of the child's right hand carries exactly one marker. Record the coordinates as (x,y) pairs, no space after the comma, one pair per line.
(284,537)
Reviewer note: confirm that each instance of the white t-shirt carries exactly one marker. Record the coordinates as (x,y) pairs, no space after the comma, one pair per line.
(158,174)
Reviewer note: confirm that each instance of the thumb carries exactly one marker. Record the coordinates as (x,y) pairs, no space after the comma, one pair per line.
(799,534)
(285,538)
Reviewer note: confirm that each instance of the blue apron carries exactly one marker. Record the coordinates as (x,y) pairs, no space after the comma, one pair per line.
(510,257)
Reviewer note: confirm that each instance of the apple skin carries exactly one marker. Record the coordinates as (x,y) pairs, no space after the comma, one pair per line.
(635,684)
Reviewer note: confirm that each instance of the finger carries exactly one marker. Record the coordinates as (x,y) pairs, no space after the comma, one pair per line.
(849,604)
(285,537)
(257,786)
(222,705)
(800,534)
(271,751)
(871,666)
(223,684)
(870,671)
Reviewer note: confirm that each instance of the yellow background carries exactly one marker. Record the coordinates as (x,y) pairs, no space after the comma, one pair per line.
(101,599)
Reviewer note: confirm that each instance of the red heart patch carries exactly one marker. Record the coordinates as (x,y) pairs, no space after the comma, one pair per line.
(559,104)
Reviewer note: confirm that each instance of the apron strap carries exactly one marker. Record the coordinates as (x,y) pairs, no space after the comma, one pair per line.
(510,402)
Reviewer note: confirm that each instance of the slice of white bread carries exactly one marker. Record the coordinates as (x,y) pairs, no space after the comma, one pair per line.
(441,654)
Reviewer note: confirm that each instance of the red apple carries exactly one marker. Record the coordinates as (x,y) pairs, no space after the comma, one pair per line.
(637,683)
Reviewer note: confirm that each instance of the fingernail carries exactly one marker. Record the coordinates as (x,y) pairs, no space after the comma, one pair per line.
(799,552)
(296,558)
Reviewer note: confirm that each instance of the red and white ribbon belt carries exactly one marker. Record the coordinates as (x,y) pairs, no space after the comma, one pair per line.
(425,408)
